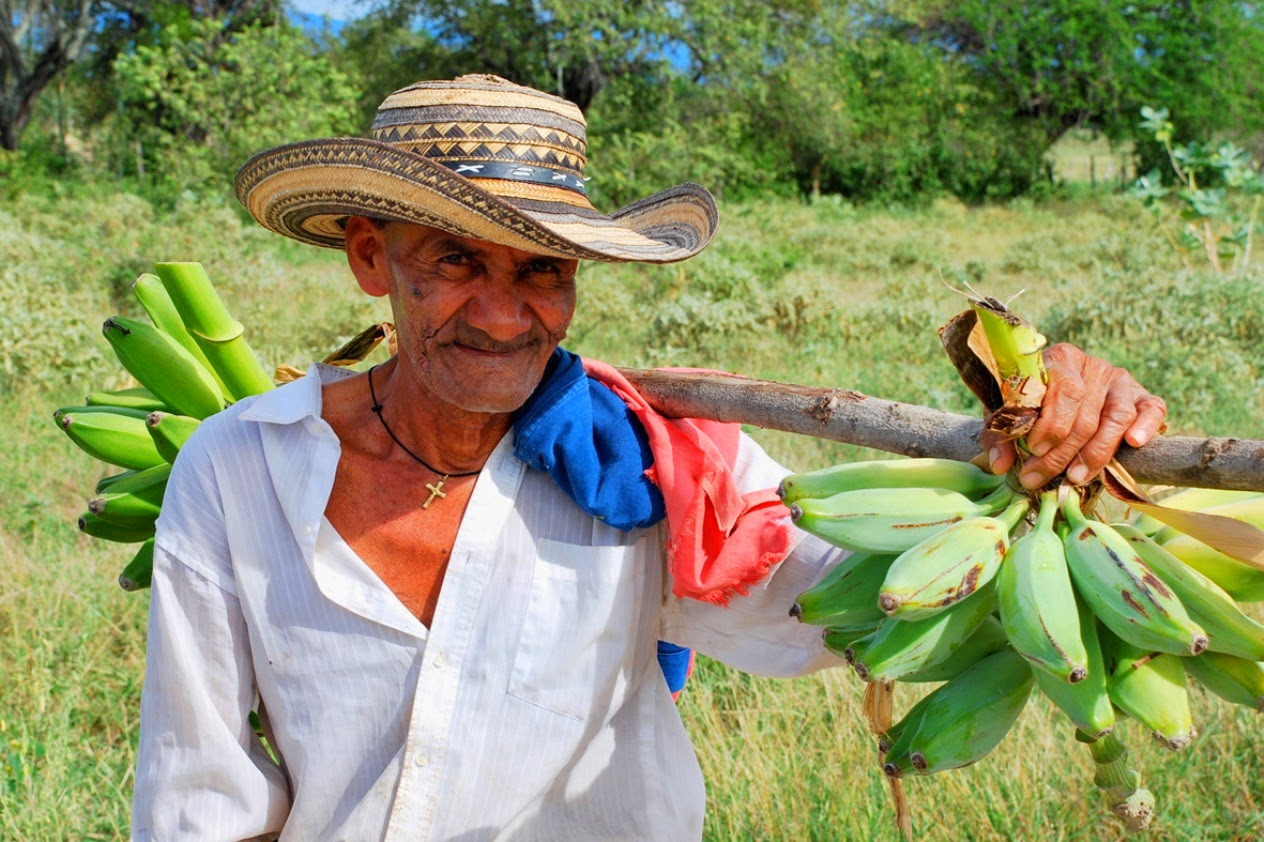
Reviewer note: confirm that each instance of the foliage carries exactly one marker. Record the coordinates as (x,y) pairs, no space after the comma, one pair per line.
(1067,63)
(1195,337)
(381,52)
(198,102)
(571,49)
(1217,192)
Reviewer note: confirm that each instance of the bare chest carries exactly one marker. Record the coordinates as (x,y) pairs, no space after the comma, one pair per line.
(402,522)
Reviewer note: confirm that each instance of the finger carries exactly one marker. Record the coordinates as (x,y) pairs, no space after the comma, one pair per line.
(1086,425)
(1119,413)
(1068,419)
(1067,390)
(1001,455)
(1151,410)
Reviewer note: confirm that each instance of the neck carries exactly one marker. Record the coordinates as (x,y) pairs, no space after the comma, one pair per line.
(448,438)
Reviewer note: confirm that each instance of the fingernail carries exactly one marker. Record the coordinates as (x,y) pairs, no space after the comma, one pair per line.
(1029,479)
(994,455)
(1040,448)
(1078,474)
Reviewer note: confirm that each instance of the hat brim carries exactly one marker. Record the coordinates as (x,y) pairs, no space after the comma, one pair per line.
(306,190)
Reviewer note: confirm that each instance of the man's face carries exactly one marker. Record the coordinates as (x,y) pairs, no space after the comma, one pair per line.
(476,320)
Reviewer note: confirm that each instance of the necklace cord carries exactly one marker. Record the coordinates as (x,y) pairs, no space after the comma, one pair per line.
(377,408)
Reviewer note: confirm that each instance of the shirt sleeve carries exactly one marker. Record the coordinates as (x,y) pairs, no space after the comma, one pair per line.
(755,632)
(201,771)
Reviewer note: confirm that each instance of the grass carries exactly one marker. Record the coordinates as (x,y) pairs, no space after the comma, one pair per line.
(825,294)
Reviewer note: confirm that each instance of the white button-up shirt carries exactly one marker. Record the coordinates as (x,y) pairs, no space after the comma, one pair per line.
(532,708)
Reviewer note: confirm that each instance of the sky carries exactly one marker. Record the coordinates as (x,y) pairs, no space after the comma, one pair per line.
(333,9)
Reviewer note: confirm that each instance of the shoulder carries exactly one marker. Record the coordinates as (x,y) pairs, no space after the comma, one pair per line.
(753,468)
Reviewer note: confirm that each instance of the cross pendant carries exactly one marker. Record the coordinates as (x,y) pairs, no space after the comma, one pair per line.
(435,491)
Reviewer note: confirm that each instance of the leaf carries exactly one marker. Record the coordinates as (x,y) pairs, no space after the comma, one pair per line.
(1205,203)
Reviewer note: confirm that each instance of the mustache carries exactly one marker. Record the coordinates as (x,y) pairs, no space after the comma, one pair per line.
(472,337)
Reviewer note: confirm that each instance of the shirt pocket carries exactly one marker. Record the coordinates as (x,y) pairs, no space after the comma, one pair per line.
(576,651)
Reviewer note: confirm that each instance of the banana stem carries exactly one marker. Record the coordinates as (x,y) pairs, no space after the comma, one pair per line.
(1015,346)
(213,328)
(1048,510)
(1014,343)
(1014,515)
(1131,802)
(1071,507)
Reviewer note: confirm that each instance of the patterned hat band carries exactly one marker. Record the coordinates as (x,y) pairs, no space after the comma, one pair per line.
(502,171)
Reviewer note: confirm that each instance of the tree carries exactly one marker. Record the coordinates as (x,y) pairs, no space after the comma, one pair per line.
(38,40)
(201,100)
(569,48)
(41,39)
(1068,63)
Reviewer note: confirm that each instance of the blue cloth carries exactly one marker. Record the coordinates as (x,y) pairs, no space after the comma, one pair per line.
(584,436)
(674,662)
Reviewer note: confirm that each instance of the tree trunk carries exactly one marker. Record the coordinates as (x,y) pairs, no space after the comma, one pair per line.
(61,34)
(911,430)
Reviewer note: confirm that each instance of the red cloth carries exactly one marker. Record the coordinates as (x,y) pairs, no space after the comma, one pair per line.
(720,541)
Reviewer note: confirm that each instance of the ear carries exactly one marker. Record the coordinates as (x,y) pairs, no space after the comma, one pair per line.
(367,255)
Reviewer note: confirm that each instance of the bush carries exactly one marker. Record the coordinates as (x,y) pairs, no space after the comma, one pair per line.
(202,100)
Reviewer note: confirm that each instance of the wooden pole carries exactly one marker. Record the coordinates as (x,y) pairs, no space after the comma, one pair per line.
(911,430)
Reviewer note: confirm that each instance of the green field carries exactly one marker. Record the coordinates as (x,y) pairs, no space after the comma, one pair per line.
(823,294)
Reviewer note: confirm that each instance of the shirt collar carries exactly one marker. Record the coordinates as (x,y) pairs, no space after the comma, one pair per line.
(297,400)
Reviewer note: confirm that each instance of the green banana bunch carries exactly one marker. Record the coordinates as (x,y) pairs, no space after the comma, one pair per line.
(1235,680)
(1228,629)
(1150,688)
(1086,702)
(959,722)
(948,566)
(890,520)
(1037,600)
(190,362)
(900,647)
(1123,591)
(961,477)
(847,595)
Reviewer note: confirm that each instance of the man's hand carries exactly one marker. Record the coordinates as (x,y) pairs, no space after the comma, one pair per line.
(1090,409)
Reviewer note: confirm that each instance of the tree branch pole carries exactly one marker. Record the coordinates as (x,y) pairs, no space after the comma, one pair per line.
(910,430)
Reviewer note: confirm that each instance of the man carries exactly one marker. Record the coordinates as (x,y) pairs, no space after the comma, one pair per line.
(441,581)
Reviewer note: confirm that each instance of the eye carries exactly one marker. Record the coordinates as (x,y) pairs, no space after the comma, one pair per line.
(542,266)
(547,271)
(455,259)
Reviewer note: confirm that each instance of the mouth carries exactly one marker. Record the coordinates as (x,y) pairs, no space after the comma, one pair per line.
(493,350)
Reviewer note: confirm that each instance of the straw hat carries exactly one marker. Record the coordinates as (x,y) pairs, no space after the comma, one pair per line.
(479,157)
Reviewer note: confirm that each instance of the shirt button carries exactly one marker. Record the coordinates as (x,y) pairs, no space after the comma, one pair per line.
(440,660)
(421,759)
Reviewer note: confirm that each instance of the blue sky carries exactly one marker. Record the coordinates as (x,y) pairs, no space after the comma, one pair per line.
(333,9)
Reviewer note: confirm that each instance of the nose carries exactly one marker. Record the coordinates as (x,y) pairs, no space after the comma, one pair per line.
(498,307)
